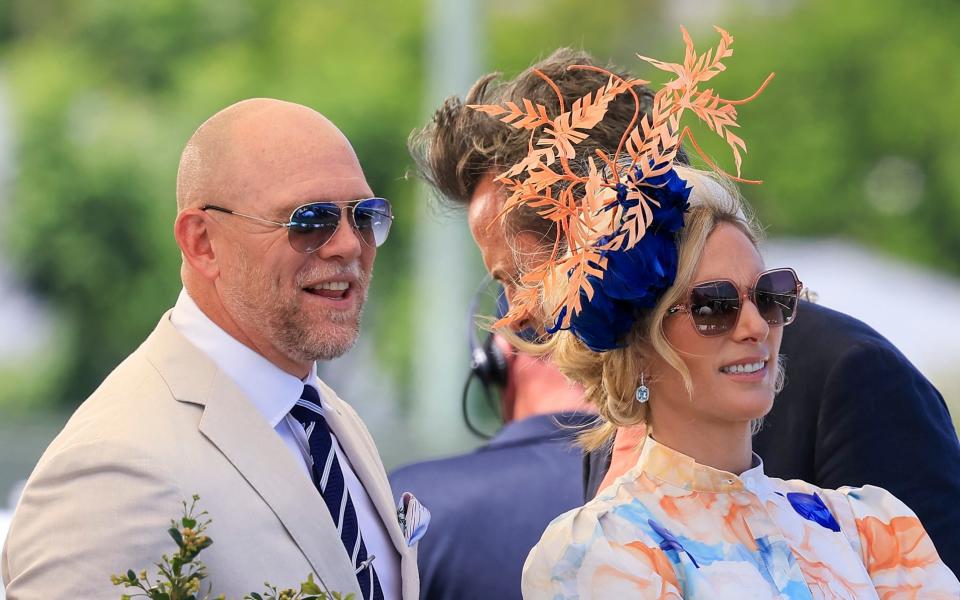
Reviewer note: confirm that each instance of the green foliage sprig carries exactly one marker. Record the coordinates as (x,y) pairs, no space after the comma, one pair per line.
(180,576)
(309,590)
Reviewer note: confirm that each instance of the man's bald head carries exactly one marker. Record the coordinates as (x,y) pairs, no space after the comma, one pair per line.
(259,160)
(222,160)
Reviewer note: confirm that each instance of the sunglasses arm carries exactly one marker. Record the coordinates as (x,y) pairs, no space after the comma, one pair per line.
(246,216)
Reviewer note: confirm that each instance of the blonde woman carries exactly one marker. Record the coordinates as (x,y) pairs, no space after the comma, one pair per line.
(696,517)
(651,293)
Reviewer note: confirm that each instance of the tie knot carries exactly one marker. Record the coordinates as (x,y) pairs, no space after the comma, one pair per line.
(310,395)
(308,409)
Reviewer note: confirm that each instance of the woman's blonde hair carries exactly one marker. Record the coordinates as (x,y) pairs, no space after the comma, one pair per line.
(610,378)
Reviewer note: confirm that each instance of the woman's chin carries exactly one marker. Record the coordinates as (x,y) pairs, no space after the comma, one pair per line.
(744,407)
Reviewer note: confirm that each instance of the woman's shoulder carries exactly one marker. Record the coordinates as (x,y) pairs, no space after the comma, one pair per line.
(849,502)
(892,542)
(850,506)
(562,548)
(592,551)
(593,540)
(580,526)
(621,504)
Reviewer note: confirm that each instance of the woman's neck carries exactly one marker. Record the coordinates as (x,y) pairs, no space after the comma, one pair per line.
(728,447)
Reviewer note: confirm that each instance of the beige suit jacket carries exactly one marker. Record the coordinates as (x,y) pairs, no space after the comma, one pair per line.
(165,425)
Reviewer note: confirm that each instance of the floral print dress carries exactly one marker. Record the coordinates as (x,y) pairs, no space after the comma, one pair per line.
(672,528)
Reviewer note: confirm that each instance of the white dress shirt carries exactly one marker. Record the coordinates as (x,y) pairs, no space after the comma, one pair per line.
(274,392)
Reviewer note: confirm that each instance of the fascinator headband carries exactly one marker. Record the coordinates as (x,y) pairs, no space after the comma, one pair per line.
(615,252)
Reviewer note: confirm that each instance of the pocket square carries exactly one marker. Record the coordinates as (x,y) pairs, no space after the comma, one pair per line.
(414,518)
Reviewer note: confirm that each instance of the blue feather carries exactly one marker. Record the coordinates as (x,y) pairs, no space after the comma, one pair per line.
(634,279)
(669,541)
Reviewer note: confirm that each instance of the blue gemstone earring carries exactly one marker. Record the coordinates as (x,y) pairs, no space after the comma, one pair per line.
(643,392)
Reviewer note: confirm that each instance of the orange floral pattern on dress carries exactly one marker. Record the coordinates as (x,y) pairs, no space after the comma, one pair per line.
(660,565)
(672,528)
(900,543)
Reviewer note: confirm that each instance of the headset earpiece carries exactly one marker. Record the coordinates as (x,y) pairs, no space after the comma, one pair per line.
(494,364)
(487,361)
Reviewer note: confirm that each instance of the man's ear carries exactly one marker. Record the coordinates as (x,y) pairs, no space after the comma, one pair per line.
(192,232)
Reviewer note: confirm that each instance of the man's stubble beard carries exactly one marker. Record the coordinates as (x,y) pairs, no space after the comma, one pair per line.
(262,304)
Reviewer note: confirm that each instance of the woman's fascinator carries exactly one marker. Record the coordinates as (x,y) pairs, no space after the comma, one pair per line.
(616,216)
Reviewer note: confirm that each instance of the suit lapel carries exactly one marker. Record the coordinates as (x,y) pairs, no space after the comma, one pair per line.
(232,424)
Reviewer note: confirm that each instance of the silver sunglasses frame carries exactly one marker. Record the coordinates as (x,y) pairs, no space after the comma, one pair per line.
(352,205)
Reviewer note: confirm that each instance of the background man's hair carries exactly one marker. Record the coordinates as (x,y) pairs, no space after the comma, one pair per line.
(460,145)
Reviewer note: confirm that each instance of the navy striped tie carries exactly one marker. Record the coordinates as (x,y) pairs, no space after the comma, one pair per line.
(328,477)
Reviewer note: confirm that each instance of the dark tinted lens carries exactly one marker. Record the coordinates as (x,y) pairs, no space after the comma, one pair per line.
(714,307)
(373,218)
(313,225)
(776,296)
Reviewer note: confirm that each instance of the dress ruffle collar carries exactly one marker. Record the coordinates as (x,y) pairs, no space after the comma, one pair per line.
(675,468)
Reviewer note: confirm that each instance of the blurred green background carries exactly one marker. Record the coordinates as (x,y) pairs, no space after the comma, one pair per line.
(857,138)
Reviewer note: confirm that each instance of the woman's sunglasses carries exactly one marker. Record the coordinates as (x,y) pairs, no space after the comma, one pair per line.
(312,225)
(715,306)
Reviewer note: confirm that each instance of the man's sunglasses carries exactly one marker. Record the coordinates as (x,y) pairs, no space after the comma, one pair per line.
(312,225)
(715,306)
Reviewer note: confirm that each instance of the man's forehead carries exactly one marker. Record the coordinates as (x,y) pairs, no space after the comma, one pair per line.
(296,153)
(481,216)
(485,205)
(487,233)
(283,196)
(287,177)
(505,255)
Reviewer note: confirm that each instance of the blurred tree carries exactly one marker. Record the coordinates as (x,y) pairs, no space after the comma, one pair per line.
(856,136)
(105,94)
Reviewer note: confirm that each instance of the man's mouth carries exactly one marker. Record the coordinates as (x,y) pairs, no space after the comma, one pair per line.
(334,290)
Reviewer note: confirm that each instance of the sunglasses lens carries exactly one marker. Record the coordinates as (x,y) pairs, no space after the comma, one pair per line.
(313,226)
(373,218)
(776,296)
(714,307)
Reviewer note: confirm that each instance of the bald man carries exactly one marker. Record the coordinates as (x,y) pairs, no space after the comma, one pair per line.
(278,230)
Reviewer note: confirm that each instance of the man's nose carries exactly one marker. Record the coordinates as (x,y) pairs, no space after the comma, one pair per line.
(345,243)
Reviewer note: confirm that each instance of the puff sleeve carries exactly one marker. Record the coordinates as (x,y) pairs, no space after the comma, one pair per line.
(899,556)
(576,558)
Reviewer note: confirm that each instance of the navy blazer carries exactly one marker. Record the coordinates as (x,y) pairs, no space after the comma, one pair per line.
(855,411)
(490,507)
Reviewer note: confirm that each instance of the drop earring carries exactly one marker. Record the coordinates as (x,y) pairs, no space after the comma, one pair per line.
(643,392)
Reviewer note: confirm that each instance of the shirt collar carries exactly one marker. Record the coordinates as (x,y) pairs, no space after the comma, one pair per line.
(554,426)
(272,390)
(667,465)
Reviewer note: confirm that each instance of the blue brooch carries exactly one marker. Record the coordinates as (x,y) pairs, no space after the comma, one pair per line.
(812,508)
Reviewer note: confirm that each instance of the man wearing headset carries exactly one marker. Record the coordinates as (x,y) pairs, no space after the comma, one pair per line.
(490,506)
